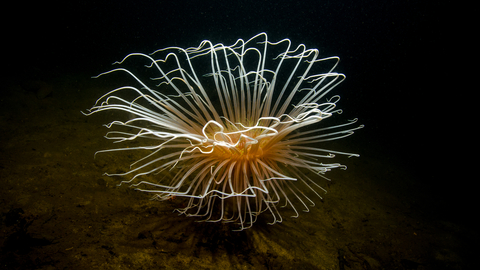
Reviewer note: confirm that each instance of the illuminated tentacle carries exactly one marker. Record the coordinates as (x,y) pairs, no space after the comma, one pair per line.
(238,127)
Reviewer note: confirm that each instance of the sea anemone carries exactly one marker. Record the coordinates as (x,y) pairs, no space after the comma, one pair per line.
(237,130)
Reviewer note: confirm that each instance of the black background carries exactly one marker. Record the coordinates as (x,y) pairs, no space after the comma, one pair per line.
(397,56)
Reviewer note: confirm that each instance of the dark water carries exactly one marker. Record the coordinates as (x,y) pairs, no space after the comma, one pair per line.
(398,206)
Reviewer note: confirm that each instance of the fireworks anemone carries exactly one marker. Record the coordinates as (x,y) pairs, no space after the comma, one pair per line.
(234,129)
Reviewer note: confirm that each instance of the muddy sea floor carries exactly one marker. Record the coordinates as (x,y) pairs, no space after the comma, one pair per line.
(58,210)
